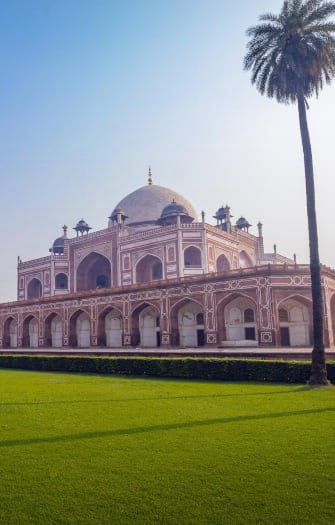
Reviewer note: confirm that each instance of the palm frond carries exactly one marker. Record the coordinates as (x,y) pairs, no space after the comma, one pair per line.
(293,51)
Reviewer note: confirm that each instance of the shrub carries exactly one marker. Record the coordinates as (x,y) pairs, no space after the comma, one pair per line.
(186,368)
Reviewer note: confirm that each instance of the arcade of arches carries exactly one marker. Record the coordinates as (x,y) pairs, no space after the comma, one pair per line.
(236,321)
(156,276)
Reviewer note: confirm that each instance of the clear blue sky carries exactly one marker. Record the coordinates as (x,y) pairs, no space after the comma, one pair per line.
(92,92)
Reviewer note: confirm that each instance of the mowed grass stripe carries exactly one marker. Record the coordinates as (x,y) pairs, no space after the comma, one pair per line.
(90,449)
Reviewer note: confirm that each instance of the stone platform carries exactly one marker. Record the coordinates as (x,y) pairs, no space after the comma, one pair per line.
(292,354)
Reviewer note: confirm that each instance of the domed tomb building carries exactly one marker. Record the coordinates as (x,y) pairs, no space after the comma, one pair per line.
(159,276)
(152,234)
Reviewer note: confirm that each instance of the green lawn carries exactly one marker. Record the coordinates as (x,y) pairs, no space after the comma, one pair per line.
(85,449)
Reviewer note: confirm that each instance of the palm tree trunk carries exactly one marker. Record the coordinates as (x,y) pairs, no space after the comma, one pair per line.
(319,370)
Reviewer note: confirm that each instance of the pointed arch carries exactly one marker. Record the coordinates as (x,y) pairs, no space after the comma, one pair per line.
(192,256)
(30,332)
(145,325)
(10,333)
(237,320)
(187,323)
(235,295)
(148,268)
(110,327)
(80,329)
(61,281)
(53,330)
(222,263)
(294,319)
(34,289)
(245,260)
(93,272)
(296,297)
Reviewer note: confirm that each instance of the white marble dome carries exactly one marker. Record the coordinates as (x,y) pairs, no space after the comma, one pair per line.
(144,206)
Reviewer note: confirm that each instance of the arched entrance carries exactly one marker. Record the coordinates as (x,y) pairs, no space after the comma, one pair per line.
(149,269)
(189,318)
(53,331)
(34,289)
(83,328)
(30,332)
(192,256)
(149,327)
(56,332)
(33,333)
(240,322)
(145,324)
(93,272)
(222,264)
(294,323)
(10,333)
(110,328)
(61,281)
(13,329)
(244,260)
(80,330)
(113,329)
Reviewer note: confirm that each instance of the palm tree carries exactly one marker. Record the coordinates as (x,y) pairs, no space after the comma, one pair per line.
(291,57)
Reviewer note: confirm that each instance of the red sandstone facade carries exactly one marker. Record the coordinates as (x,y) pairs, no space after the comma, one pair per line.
(268,291)
(156,277)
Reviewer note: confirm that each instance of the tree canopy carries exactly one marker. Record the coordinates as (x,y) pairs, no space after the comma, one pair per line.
(293,52)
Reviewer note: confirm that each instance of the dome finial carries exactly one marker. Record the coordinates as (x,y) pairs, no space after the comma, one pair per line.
(149,177)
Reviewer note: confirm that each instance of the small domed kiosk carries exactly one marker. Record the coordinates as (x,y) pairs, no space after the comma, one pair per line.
(172,211)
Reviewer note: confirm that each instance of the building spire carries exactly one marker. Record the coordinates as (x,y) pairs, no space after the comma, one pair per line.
(149,177)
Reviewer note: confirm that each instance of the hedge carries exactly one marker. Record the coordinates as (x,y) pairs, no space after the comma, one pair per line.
(186,368)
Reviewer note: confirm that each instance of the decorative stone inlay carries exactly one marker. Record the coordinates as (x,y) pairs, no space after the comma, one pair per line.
(211,339)
(233,285)
(299,280)
(262,288)
(263,281)
(266,337)
(165,339)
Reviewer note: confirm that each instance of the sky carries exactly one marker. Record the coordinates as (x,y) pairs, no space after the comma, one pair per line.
(92,92)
